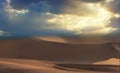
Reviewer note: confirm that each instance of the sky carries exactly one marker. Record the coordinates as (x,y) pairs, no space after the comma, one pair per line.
(19,18)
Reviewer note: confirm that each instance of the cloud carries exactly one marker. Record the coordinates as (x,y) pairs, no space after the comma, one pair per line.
(13,12)
(114,6)
(1,32)
(91,1)
(78,7)
(55,5)
(22,17)
(32,18)
(85,18)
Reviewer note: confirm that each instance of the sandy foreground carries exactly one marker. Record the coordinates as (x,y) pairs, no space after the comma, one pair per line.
(37,66)
(39,56)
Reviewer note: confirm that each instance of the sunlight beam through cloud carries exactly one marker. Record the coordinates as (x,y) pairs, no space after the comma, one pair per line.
(97,22)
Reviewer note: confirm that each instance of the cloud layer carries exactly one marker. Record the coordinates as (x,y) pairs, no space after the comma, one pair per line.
(31,17)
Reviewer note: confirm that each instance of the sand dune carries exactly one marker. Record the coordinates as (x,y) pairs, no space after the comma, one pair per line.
(38,66)
(52,51)
(109,61)
(80,40)
(38,56)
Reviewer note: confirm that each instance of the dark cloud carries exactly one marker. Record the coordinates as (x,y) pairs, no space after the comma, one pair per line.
(115,6)
(115,22)
(18,4)
(91,0)
(55,5)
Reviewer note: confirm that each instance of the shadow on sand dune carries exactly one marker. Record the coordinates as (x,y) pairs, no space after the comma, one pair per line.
(16,71)
(80,67)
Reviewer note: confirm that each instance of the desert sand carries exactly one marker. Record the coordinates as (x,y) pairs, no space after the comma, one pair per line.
(33,55)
